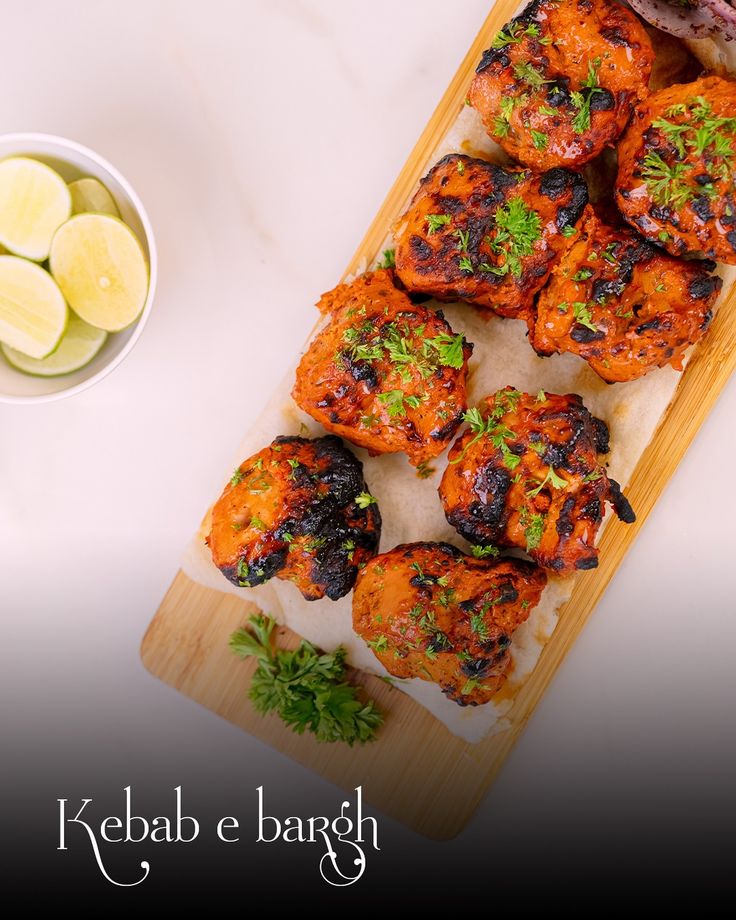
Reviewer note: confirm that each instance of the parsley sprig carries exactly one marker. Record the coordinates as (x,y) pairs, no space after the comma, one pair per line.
(306,689)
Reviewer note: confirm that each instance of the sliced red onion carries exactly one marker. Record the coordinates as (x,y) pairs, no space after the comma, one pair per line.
(697,19)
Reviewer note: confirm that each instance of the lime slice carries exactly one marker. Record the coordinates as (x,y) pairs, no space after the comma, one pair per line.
(79,345)
(34,202)
(100,267)
(33,315)
(91,195)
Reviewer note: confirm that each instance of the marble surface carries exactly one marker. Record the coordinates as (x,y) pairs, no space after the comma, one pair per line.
(262,138)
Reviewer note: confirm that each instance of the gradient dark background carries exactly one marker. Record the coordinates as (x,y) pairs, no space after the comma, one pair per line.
(622,785)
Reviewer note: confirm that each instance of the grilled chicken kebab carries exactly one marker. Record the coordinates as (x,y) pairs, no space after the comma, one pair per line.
(623,304)
(478,232)
(559,82)
(677,169)
(299,510)
(429,611)
(385,373)
(526,473)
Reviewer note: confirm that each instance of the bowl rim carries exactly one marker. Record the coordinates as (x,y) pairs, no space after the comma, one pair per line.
(64,143)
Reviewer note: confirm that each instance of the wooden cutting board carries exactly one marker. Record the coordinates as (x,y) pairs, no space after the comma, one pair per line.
(417,771)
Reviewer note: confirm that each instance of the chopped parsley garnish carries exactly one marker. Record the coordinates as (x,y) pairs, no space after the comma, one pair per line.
(466,265)
(513,34)
(548,110)
(365,499)
(463,237)
(539,139)
(378,645)
(557,482)
(583,274)
(483,552)
(396,402)
(237,477)
(449,349)
(533,525)
(424,470)
(460,166)
(569,230)
(436,221)
(528,73)
(243,571)
(307,689)
(706,136)
(518,227)
(581,101)
(478,626)
(490,427)
(389,259)
(583,316)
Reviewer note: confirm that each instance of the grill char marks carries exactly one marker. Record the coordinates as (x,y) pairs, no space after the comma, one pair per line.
(386,373)
(478,232)
(531,478)
(623,304)
(290,512)
(676,168)
(538,63)
(429,611)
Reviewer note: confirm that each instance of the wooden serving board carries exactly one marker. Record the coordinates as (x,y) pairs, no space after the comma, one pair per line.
(417,771)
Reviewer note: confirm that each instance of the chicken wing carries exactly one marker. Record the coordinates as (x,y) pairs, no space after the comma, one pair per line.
(429,611)
(623,304)
(299,510)
(677,169)
(488,235)
(560,80)
(526,474)
(385,373)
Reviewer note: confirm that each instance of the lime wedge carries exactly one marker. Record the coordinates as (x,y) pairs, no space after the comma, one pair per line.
(91,195)
(34,202)
(100,267)
(33,315)
(78,346)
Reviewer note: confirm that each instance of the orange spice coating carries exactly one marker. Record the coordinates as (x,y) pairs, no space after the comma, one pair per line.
(429,611)
(478,232)
(623,304)
(527,474)
(560,81)
(385,373)
(677,169)
(293,511)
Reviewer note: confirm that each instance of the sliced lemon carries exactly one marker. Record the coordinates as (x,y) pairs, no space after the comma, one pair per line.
(100,267)
(33,314)
(34,202)
(78,346)
(91,195)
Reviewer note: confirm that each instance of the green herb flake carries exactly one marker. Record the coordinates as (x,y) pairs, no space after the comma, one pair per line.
(365,500)
(436,221)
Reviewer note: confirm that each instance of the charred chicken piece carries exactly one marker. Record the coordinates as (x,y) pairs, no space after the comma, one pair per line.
(677,169)
(560,80)
(623,304)
(488,235)
(429,611)
(299,510)
(526,474)
(385,373)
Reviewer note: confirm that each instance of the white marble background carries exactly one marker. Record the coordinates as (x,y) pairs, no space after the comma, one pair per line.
(262,136)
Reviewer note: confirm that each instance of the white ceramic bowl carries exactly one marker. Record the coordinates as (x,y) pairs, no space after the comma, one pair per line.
(73,161)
